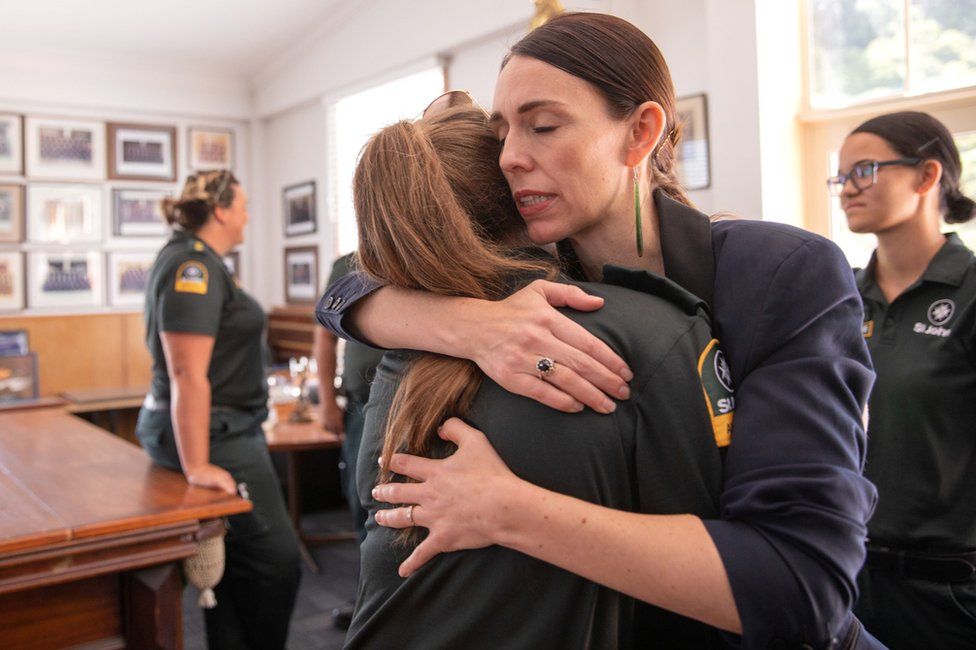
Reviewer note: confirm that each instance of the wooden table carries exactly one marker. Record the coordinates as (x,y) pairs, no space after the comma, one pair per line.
(113,409)
(293,438)
(91,533)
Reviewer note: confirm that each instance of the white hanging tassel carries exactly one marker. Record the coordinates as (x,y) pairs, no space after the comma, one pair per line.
(205,569)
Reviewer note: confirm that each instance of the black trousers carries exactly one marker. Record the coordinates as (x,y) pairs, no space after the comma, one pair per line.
(917,614)
(354,422)
(256,595)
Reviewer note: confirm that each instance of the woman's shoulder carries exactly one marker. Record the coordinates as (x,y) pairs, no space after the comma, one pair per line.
(746,249)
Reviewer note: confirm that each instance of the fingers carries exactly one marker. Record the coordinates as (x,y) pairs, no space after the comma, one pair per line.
(397,517)
(421,555)
(399,492)
(415,467)
(457,431)
(592,358)
(567,295)
(545,393)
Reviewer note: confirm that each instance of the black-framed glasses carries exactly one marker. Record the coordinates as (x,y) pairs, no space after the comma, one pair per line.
(450,99)
(864,174)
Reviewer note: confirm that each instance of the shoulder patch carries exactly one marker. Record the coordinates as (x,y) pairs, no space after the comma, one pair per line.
(716,380)
(192,277)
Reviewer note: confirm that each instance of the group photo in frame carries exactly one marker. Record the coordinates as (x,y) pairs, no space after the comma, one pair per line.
(64,213)
(11,144)
(18,377)
(14,343)
(141,152)
(301,274)
(11,281)
(128,275)
(11,213)
(298,208)
(138,212)
(64,149)
(692,159)
(64,279)
(210,148)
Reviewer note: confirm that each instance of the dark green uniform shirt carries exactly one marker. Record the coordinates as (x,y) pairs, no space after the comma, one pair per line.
(190,290)
(922,413)
(657,453)
(358,361)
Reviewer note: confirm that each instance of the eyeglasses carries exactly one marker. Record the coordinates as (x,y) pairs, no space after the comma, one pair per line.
(864,174)
(450,99)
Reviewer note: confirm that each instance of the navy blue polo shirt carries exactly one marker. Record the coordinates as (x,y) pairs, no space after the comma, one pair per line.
(922,426)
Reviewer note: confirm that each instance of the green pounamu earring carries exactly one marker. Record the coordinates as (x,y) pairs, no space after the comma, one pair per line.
(637,214)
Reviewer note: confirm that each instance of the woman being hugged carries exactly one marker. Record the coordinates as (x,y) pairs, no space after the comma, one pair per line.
(584,107)
(899,179)
(208,399)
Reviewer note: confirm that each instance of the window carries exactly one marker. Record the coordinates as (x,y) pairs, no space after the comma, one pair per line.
(356,117)
(863,50)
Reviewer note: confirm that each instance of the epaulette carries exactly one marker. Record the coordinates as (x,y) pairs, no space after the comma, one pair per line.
(655,285)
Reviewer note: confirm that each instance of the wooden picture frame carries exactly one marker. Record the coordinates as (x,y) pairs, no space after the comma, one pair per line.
(11,144)
(18,378)
(12,282)
(210,148)
(136,212)
(299,209)
(64,149)
(11,213)
(301,274)
(693,157)
(141,152)
(65,279)
(64,214)
(128,276)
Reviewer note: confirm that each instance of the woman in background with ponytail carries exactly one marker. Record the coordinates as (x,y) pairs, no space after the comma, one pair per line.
(899,178)
(203,414)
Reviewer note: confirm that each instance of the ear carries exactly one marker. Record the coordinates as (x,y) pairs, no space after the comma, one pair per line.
(220,214)
(931,175)
(647,127)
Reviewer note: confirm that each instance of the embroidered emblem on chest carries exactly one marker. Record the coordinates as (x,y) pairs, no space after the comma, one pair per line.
(939,313)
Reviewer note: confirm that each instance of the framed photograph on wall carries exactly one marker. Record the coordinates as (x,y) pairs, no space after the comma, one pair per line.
(64,213)
(18,378)
(128,275)
(64,149)
(232,261)
(11,213)
(210,148)
(138,213)
(141,152)
(11,144)
(11,281)
(299,208)
(64,279)
(301,274)
(692,157)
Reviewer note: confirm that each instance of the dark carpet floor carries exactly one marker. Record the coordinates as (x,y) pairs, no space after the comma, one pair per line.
(311,625)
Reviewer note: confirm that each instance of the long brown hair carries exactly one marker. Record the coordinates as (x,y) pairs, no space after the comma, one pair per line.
(436,214)
(626,68)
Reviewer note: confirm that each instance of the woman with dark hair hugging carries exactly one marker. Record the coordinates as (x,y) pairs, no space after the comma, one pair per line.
(435,214)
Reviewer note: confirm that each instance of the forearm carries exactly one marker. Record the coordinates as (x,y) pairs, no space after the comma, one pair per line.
(190,413)
(415,320)
(324,350)
(666,560)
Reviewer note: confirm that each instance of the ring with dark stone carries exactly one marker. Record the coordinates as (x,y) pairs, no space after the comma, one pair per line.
(545,366)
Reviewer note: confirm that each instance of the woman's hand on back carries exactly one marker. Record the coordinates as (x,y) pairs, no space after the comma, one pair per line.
(458,498)
(511,335)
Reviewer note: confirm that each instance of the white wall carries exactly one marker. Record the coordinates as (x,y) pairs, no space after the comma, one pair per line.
(291,148)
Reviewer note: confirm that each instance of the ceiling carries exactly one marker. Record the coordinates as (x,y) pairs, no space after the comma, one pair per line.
(239,36)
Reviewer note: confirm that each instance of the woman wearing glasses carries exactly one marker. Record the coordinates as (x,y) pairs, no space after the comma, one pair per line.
(900,178)
(585,109)
(208,399)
